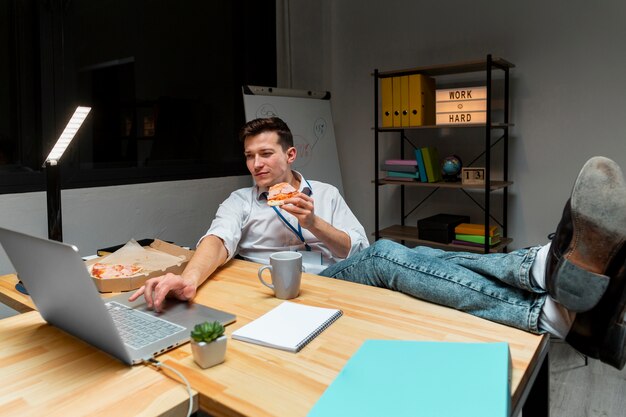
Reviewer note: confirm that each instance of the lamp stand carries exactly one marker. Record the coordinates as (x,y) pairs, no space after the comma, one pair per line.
(53,197)
(53,182)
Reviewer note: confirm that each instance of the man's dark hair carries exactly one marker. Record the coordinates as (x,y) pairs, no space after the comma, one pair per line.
(269,124)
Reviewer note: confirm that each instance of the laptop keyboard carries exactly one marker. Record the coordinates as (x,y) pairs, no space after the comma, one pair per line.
(139,329)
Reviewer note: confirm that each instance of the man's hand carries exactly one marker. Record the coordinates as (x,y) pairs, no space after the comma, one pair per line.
(303,208)
(156,289)
(210,254)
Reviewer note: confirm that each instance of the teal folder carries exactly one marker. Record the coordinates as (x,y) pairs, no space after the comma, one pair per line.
(421,379)
(397,174)
(420,165)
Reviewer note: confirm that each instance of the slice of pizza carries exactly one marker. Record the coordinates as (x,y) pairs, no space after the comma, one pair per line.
(104,271)
(279,193)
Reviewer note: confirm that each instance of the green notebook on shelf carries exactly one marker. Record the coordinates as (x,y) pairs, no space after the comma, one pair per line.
(421,379)
(430,154)
(478,238)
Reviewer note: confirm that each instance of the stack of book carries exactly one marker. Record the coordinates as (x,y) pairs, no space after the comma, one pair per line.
(470,234)
(401,170)
(428,164)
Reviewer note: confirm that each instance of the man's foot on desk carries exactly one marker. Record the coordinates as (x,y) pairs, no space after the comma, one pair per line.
(586,267)
(589,237)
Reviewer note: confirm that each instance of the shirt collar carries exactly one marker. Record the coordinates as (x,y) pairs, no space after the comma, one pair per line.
(261,192)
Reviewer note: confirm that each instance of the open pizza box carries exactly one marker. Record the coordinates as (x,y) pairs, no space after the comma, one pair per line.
(154,260)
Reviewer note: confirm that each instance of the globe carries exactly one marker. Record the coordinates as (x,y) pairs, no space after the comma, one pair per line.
(451,167)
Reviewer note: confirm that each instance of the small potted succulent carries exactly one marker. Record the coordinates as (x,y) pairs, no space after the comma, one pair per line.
(208,344)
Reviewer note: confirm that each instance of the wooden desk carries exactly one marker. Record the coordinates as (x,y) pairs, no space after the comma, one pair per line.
(46,372)
(260,381)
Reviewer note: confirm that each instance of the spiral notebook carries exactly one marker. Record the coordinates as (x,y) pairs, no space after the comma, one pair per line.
(290,326)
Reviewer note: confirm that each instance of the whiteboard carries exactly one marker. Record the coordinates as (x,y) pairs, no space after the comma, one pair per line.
(310,120)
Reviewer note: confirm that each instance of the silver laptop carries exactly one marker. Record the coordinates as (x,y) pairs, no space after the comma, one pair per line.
(61,288)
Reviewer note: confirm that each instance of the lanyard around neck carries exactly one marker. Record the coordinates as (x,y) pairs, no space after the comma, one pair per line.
(298,231)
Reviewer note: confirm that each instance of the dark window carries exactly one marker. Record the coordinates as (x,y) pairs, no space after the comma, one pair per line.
(163,78)
(20,99)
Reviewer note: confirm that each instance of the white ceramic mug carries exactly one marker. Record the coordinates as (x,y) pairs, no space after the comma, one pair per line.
(286,271)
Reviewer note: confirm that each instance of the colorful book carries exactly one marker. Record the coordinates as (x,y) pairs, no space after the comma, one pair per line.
(477,239)
(404,378)
(399,168)
(431,163)
(396,174)
(410,162)
(420,165)
(475,229)
(399,179)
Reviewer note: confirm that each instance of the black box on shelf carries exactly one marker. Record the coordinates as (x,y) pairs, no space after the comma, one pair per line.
(440,227)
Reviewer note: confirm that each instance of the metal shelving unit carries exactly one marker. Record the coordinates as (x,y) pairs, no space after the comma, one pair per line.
(406,233)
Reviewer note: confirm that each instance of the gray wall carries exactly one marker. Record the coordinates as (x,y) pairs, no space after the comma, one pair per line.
(178,211)
(568,88)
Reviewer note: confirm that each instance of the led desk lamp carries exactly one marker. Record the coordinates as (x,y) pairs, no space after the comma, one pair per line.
(53,183)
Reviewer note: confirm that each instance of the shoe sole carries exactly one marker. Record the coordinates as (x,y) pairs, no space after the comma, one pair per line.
(598,207)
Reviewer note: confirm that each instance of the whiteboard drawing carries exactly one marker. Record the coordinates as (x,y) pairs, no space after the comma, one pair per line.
(320,129)
(266,110)
(305,152)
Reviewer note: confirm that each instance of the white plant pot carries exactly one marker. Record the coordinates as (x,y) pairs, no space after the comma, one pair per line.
(209,354)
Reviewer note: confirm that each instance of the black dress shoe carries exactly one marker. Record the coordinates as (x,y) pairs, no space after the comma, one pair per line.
(592,231)
(601,332)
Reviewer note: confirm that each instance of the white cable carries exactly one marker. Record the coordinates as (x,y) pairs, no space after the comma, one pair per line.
(180,375)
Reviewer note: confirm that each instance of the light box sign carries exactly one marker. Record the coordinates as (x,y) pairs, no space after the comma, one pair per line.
(466,105)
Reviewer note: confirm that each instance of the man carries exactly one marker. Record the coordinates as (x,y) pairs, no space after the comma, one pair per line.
(574,287)
(316,221)
(539,289)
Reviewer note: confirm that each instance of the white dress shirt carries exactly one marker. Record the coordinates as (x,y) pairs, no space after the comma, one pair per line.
(252,229)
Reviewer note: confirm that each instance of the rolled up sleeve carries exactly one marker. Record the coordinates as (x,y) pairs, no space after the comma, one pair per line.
(346,221)
(228,223)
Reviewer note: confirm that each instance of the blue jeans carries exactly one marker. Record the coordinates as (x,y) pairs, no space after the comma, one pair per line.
(496,286)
